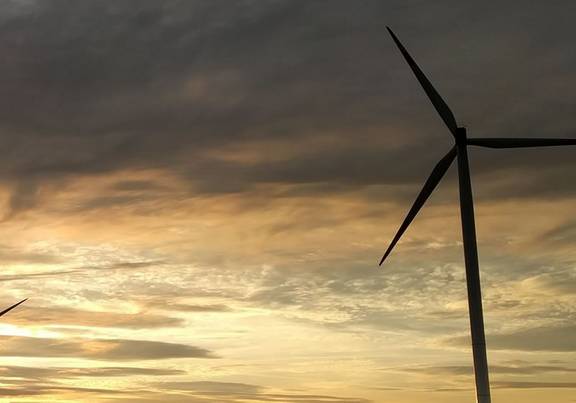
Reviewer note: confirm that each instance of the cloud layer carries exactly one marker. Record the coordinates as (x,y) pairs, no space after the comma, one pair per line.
(196,193)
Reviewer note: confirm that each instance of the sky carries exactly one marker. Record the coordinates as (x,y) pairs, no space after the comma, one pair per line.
(194,196)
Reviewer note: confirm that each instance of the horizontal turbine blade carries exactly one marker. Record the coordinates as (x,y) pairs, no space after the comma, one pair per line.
(441,107)
(5,311)
(433,180)
(517,143)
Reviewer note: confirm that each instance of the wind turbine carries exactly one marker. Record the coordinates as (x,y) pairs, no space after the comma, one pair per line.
(5,311)
(466,211)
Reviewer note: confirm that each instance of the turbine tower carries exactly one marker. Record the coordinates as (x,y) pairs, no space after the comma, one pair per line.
(459,150)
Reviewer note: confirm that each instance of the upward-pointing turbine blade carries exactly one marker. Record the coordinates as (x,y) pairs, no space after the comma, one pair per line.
(517,143)
(441,107)
(5,311)
(433,180)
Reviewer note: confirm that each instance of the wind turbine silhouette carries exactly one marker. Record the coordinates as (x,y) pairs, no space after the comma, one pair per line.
(5,311)
(466,211)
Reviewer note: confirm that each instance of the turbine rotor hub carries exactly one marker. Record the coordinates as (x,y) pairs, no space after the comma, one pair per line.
(461,135)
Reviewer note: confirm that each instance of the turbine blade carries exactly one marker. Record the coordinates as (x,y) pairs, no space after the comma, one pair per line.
(5,311)
(441,107)
(517,143)
(431,183)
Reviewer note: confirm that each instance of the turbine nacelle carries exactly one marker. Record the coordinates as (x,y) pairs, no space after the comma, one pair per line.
(461,136)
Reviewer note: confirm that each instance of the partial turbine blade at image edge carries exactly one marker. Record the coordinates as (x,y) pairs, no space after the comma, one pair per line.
(441,106)
(519,143)
(431,183)
(5,311)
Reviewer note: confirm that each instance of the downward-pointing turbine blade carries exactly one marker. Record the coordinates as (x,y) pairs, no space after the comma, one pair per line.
(441,107)
(517,143)
(433,180)
(5,311)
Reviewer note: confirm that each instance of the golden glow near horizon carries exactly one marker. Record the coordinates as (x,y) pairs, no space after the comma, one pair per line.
(123,307)
(195,197)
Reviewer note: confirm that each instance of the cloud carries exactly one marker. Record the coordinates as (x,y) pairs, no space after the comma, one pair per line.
(238,392)
(12,255)
(564,233)
(219,387)
(191,391)
(83,270)
(56,316)
(51,381)
(543,338)
(193,308)
(23,197)
(59,373)
(169,302)
(275,139)
(467,371)
(41,390)
(98,349)
(229,97)
(534,385)
(558,282)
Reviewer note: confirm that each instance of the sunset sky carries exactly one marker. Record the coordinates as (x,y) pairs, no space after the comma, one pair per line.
(194,196)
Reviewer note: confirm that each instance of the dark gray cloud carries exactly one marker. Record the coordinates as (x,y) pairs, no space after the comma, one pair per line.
(565,233)
(98,349)
(23,197)
(99,86)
